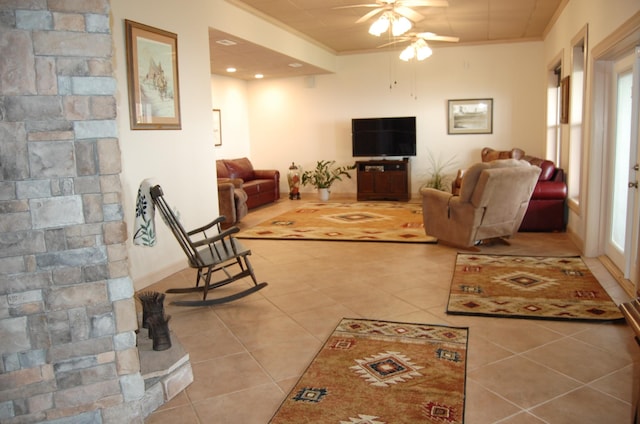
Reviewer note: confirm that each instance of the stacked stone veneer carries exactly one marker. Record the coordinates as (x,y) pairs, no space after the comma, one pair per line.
(67,312)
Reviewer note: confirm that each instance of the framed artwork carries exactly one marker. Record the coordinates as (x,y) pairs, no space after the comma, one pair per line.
(152,73)
(470,116)
(565,97)
(217,128)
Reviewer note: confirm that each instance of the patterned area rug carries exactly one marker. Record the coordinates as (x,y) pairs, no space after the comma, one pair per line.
(362,221)
(560,288)
(379,372)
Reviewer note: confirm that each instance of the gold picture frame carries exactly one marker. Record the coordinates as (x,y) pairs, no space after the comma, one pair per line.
(152,73)
(217,127)
(470,116)
(565,99)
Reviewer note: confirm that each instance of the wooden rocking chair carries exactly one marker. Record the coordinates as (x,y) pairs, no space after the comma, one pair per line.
(218,251)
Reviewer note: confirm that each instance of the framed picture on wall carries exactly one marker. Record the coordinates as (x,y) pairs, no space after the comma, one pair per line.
(152,73)
(565,97)
(470,116)
(217,127)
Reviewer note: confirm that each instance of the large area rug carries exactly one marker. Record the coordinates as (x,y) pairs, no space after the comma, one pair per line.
(560,288)
(361,221)
(377,372)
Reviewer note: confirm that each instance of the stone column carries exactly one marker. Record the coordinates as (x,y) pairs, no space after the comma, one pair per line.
(67,314)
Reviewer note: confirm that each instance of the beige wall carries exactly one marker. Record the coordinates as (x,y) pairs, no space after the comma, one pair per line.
(309,121)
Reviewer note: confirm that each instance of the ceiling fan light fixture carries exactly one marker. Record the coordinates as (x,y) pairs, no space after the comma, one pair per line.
(400,25)
(419,50)
(380,25)
(423,52)
(422,49)
(408,53)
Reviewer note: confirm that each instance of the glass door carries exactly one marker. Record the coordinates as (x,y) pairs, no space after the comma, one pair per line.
(623,173)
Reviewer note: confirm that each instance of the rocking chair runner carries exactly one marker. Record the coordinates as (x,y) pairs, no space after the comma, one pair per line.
(208,254)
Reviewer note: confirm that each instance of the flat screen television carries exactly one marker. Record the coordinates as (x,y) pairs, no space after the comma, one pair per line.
(384,136)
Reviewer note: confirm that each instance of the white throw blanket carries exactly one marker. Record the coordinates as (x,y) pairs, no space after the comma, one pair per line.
(144,224)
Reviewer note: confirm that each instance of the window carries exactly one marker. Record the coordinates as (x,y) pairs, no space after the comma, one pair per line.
(576,130)
(553,112)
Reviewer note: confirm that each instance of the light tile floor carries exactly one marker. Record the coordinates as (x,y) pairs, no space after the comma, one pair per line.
(247,355)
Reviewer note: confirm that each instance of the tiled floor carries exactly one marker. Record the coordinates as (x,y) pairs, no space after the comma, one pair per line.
(246,355)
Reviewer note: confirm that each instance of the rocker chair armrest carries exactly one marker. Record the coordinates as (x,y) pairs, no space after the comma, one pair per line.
(220,236)
(216,221)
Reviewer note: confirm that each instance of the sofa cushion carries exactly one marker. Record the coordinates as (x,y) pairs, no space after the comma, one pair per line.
(221,169)
(240,168)
(488,154)
(548,167)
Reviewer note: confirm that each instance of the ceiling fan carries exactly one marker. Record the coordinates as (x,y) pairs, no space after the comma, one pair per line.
(395,13)
(419,48)
(427,36)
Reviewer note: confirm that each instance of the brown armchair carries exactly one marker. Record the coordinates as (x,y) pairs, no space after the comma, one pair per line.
(493,200)
(232,201)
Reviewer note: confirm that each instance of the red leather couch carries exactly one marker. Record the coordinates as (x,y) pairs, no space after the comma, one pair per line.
(547,207)
(261,185)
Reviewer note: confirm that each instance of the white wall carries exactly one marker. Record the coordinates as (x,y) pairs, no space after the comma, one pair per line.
(183,161)
(308,121)
(231,97)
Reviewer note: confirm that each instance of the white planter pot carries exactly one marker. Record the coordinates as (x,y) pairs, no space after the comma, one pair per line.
(323,194)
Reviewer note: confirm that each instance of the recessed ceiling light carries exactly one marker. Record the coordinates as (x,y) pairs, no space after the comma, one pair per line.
(295,65)
(258,76)
(231,69)
(225,42)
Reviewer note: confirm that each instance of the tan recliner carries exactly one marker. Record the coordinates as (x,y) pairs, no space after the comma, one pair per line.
(493,200)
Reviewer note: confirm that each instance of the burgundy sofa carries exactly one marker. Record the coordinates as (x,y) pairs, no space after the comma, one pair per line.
(547,207)
(261,186)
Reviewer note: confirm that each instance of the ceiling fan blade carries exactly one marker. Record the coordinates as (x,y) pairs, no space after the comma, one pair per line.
(396,41)
(424,3)
(410,14)
(357,5)
(430,36)
(370,14)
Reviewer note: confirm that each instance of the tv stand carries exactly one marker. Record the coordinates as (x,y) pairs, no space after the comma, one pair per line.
(384,180)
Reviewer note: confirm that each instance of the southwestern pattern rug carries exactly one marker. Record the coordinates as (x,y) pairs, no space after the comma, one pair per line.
(559,288)
(361,221)
(382,372)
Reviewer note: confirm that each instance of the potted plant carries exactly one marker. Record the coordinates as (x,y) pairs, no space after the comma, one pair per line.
(437,177)
(324,175)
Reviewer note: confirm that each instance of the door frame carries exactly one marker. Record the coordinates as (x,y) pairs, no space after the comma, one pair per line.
(617,45)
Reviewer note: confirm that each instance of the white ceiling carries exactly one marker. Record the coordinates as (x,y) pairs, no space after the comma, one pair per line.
(473,21)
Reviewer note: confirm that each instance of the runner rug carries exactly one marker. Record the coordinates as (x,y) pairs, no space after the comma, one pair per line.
(560,288)
(361,221)
(382,372)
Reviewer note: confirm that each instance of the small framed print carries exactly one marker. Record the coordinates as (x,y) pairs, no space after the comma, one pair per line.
(565,98)
(152,71)
(470,116)
(217,127)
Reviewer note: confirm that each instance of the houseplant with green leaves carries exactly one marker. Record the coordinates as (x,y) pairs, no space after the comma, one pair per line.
(438,178)
(324,175)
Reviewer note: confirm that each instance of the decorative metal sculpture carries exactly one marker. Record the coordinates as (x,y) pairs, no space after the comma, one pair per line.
(293,177)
